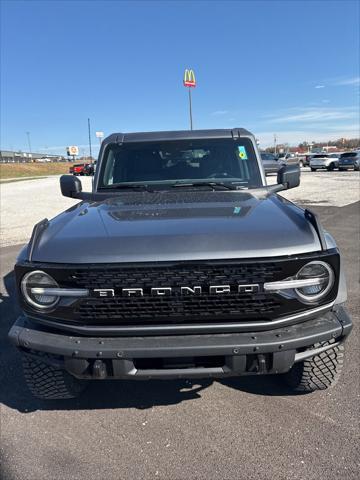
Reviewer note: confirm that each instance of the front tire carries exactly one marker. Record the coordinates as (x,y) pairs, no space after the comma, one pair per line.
(331,167)
(47,382)
(313,169)
(317,373)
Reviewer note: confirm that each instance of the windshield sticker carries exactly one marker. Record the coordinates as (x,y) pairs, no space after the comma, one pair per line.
(242,153)
(237,210)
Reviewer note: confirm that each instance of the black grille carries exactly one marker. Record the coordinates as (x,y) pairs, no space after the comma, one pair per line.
(177,308)
(175,276)
(166,309)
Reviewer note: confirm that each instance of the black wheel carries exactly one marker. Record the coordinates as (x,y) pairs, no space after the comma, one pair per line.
(317,373)
(331,167)
(48,382)
(313,169)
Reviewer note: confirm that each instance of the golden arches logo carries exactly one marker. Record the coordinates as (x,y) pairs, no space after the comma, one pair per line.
(189,78)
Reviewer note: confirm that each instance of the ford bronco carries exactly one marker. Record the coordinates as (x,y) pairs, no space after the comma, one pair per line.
(180,263)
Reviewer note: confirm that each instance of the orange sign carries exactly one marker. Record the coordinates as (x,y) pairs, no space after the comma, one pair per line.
(189,78)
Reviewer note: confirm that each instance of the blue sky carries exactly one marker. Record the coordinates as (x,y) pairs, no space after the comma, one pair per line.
(284,67)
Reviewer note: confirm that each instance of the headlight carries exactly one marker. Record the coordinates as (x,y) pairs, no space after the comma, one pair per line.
(324,275)
(38,280)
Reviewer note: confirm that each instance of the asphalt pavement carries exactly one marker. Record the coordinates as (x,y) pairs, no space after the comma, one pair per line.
(244,428)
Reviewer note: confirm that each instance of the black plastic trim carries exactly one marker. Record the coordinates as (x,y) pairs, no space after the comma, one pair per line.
(314,220)
(330,325)
(35,236)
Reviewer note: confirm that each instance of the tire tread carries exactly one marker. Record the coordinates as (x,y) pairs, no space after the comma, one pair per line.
(319,372)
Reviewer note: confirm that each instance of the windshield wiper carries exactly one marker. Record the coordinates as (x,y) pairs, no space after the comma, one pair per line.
(123,186)
(214,185)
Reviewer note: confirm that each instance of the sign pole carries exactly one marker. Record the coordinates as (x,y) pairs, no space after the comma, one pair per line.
(190,109)
(190,82)
(89,139)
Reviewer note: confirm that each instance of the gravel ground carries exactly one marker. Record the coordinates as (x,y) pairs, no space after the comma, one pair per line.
(25,203)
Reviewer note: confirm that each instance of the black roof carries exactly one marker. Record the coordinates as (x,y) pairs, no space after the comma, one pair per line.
(176,135)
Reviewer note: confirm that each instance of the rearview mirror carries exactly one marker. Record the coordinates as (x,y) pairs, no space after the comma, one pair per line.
(289,176)
(70,186)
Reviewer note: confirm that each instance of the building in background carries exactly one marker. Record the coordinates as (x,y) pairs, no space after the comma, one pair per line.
(8,156)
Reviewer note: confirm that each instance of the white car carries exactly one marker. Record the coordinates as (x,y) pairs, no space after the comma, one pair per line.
(328,161)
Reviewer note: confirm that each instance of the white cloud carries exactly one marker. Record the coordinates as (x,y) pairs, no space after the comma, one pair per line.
(220,112)
(348,81)
(320,86)
(316,115)
(294,137)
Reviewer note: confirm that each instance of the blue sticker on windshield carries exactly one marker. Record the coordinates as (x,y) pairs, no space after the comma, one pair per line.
(242,153)
(237,210)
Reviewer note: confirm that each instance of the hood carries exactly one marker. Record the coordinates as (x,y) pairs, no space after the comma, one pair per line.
(176,226)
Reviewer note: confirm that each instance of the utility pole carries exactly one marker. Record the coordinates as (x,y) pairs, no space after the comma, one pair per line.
(29,143)
(275,139)
(89,139)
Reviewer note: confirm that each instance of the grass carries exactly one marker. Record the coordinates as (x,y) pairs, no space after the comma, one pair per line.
(18,170)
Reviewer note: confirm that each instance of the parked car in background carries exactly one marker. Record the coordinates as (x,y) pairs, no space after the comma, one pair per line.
(349,160)
(270,162)
(357,163)
(304,159)
(288,158)
(89,169)
(328,161)
(78,169)
(43,159)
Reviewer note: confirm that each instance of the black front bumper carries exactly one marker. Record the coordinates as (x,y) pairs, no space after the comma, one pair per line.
(183,356)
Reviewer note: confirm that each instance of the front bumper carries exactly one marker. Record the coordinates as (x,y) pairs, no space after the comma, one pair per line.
(319,165)
(183,356)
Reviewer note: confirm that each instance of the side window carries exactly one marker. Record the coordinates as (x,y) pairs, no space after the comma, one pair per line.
(108,178)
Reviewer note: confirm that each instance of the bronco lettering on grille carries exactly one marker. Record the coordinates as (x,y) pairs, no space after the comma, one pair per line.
(166,291)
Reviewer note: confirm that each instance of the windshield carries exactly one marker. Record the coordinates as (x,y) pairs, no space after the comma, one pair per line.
(187,161)
(349,154)
(268,156)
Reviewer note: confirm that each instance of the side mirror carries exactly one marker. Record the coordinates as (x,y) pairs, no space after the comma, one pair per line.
(70,186)
(289,176)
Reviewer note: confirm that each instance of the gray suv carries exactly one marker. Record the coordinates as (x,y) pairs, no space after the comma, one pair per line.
(180,263)
(349,160)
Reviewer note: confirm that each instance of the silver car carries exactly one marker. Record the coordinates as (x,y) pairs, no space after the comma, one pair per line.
(328,161)
(271,163)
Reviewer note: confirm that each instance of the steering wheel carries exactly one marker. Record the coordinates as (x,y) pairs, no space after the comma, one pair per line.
(218,175)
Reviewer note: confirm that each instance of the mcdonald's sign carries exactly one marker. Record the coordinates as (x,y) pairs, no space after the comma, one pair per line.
(189,78)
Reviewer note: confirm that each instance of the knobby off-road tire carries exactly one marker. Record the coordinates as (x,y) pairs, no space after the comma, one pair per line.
(48,382)
(317,373)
